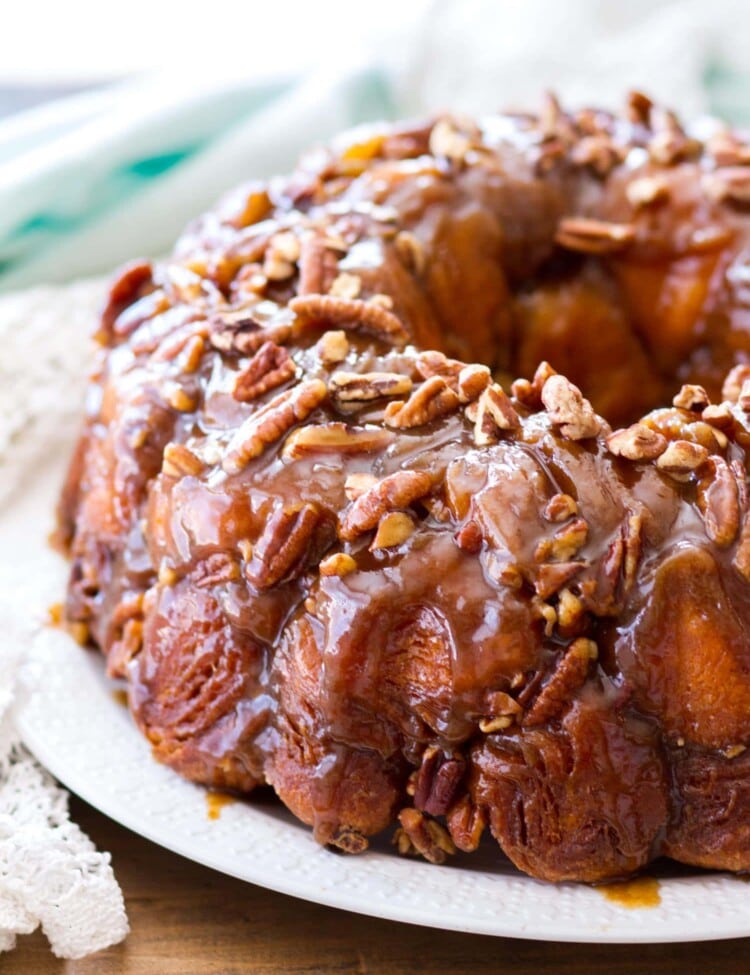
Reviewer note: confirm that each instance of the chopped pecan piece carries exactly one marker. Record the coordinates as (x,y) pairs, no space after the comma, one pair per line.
(693,398)
(364,386)
(589,236)
(729,184)
(552,576)
(391,493)
(569,675)
(179,399)
(349,313)
(282,549)
(215,570)
(411,251)
(647,191)
(682,457)
(346,285)
(180,461)
(568,410)
(734,382)
(638,108)
(564,544)
(237,332)
(433,399)
(638,442)
(495,415)
(356,484)
(335,437)
(339,564)
(271,366)
(333,347)
(472,380)
(433,363)
(559,508)
(393,529)
(741,560)
(420,834)
(469,537)
(452,139)
(669,144)
(281,256)
(347,839)
(718,501)
(530,393)
(720,415)
(598,152)
(271,422)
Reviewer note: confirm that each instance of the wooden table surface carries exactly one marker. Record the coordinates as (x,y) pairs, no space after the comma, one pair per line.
(188,920)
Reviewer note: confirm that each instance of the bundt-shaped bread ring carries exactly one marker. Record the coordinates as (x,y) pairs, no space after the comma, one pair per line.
(331,554)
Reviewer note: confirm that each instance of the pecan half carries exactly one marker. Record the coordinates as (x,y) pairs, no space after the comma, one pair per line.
(638,442)
(718,501)
(335,437)
(349,313)
(433,399)
(318,265)
(569,675)
(391,493)
(466,823)
(568,409)
(271,366)
(282,549)
(271,422)
(438,780)
(362,387)
(588,236)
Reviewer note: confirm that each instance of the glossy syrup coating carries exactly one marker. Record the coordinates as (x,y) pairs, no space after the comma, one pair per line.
(331,554)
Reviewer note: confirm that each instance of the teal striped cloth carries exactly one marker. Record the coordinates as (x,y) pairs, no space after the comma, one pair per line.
(90,181)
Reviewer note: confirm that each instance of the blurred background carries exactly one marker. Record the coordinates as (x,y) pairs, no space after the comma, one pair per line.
(120,122)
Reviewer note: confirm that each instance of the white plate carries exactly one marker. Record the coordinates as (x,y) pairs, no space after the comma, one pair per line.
(75,726)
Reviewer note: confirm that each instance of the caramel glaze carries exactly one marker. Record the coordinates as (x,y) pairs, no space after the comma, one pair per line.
(470,610)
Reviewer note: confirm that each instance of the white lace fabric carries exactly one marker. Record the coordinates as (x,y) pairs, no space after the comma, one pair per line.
(50,872)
